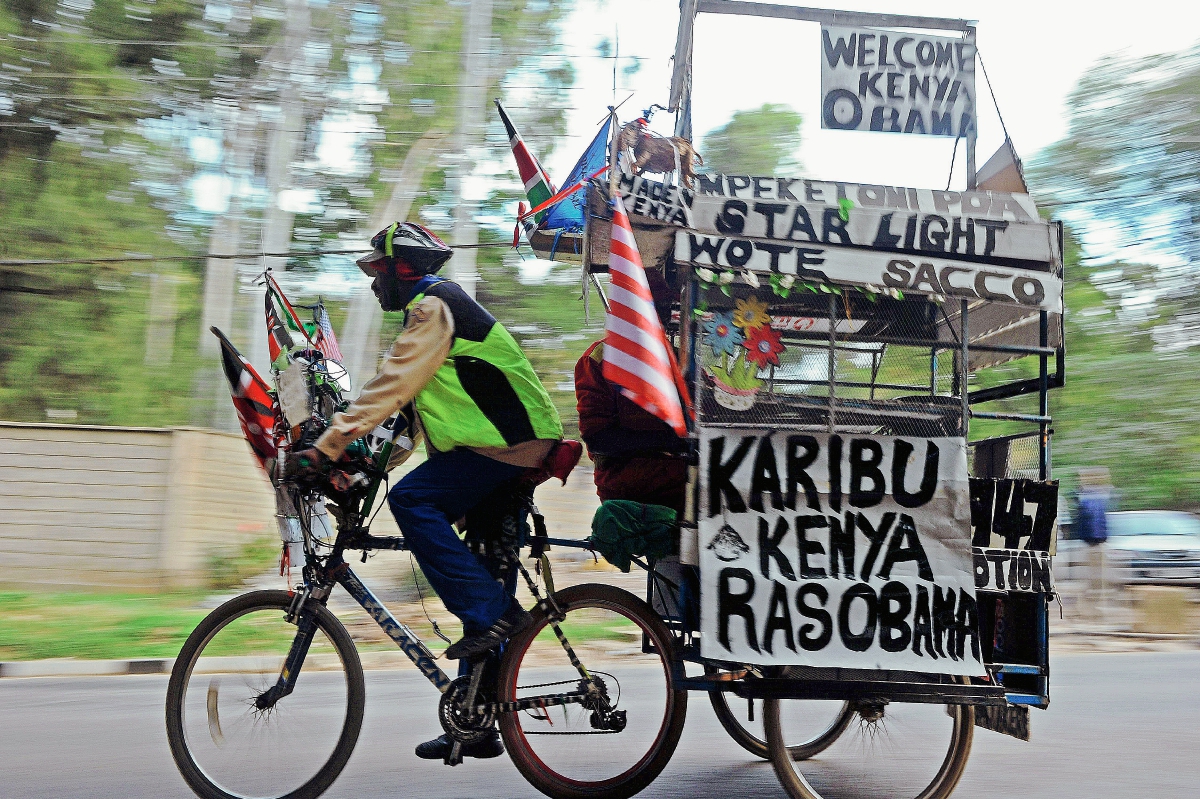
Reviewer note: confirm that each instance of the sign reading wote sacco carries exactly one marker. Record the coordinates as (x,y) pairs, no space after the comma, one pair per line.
(837,551)
(896,82)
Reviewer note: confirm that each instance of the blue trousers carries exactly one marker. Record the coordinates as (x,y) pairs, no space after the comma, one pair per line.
(426,503)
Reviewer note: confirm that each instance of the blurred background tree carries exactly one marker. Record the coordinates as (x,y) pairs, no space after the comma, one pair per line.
(763,141)
(133,127)
(1126,178)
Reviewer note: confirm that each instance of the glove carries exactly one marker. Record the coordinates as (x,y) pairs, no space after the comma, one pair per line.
(305,466)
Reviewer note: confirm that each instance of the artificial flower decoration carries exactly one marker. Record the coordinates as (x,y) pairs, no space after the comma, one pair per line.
(751,313)
(722,334)
(763,346)
(782,284)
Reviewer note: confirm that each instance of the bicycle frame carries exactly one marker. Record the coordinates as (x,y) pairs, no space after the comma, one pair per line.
(320,578)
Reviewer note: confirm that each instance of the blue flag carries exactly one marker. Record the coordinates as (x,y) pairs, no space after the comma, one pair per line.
(567,213)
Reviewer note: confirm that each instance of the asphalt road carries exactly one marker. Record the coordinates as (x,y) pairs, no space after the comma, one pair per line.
(1122,725)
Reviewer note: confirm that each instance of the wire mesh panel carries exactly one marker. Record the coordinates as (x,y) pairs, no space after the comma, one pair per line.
(1012,457)
(825,358)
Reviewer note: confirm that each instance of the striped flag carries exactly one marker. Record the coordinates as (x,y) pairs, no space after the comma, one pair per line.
(636,355)
(538,186)
(253,401)
(279,340)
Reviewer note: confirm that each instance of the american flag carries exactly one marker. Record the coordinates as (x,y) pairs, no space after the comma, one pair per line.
(636,355)
(325,340)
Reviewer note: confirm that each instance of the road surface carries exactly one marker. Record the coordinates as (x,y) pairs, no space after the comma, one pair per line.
(1120,725)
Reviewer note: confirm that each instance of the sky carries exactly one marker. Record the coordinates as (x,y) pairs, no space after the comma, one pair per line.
(1034,53)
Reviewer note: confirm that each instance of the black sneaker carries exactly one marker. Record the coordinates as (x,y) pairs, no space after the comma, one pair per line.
(439,748)
(512,622)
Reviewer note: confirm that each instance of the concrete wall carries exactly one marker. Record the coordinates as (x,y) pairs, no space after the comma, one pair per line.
(135,509)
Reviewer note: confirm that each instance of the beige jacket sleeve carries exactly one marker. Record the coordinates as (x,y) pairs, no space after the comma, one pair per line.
(418,352)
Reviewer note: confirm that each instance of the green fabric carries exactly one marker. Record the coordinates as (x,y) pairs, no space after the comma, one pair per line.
(622,529)
(451,418)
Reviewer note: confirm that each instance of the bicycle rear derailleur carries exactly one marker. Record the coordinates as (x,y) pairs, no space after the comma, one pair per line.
(603,716)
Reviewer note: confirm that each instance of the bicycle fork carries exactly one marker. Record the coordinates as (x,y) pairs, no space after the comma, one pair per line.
(306,629)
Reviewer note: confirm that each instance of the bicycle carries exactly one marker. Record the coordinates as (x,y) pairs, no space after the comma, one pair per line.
(241,722)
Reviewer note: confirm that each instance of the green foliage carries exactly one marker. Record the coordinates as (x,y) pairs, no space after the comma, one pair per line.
(759,142)
(1129,161)
(76,334)
(229,568)
(1125,406)
(101,626)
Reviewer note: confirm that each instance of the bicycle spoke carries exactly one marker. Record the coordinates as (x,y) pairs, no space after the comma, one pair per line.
(626,701)
(229,743)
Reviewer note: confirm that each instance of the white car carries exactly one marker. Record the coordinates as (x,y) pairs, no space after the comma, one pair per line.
(1156,547)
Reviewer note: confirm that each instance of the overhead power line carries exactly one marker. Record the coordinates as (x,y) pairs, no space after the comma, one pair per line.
(263,46)
(122,259)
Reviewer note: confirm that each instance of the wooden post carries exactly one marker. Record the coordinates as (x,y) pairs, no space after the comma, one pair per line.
(973,132)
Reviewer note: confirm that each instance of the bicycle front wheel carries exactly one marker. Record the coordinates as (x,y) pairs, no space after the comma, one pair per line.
(565,751)
(900,750)
(226,743)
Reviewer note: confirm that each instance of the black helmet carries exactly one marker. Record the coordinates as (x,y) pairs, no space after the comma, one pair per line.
(420,249)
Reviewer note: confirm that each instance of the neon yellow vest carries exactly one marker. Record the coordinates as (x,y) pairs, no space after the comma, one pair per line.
(485,394)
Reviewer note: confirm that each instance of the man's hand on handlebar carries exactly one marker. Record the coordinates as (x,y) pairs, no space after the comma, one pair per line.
(305,466)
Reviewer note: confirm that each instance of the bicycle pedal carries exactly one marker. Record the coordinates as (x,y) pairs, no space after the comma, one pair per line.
(455,757)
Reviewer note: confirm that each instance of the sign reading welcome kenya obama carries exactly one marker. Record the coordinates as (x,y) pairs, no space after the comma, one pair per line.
(896,82)
(837,550)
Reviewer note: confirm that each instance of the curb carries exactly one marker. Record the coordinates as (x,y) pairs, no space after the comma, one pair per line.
(70,667)
(1130,636)
(83,668)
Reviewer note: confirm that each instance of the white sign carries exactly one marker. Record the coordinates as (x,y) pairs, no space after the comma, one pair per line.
(891,81)
(919,273)
(837,551)
(878,227)
(1004,570)
(1014,513)
(655,200)
(985,204)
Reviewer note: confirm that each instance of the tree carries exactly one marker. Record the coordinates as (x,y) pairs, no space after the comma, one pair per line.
(1131,156)
(1131,162)
(763,141)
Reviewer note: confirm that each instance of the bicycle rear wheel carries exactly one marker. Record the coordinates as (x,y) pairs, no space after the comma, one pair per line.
(900,750)
(557,749)
(226,747)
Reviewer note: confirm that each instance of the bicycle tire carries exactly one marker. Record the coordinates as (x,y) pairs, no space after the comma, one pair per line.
(940,787)
(635,778)
(193,648)
(758,747)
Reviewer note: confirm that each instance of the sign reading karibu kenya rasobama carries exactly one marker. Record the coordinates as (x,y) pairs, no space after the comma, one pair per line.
(837,551)
(895,82)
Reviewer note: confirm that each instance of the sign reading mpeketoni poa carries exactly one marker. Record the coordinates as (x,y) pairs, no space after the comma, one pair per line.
(974,245)
(896,82)
(837,551)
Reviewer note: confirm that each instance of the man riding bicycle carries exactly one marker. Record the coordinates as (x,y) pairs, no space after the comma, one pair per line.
(486,418)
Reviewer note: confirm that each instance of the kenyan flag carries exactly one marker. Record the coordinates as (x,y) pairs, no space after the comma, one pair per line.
(538,187)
